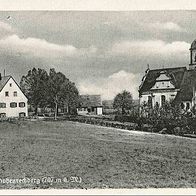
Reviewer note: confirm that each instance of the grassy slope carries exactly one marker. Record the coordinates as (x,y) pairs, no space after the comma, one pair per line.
(103,157)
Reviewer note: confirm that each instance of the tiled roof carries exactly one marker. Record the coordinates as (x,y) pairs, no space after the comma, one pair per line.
(90,100)
(3,81)
(176,75)
(186,90)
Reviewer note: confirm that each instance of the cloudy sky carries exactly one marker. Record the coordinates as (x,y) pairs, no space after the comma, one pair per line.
(102,52)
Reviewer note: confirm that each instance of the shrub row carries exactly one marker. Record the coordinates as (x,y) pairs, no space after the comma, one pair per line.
(166,126)
(108,123)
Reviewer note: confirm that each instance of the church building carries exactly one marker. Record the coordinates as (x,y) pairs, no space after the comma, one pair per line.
(175,85)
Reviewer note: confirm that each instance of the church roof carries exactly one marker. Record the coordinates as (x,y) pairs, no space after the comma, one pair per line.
(193,45)
(176,74)
(186,90)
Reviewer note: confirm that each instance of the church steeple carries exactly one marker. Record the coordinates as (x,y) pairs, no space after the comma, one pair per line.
(192,64)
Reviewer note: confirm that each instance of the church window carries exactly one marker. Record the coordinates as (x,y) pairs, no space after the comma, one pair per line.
(149,101)
(182,106)
(163,100)
(157,105)
(187,106)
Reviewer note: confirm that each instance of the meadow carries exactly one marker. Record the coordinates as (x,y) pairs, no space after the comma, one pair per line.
(76,155)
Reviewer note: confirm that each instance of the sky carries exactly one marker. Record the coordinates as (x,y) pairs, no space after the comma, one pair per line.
(102,52)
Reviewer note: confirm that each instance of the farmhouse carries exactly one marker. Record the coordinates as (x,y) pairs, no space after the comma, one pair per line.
(90,104)
(13,103)
(170,84)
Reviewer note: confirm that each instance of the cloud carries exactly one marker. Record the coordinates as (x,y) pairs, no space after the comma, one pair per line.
(5,27)
(170,26)
(114,84)
(41,48)
(151,48)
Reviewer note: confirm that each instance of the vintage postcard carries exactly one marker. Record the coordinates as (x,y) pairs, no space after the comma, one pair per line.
(97,101)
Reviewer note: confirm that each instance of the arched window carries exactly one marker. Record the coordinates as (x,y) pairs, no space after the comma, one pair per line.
(163,100)
(182,106)
(149,101)
(187,106)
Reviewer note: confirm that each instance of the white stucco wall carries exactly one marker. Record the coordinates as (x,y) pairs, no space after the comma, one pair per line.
(99,110)
(82,111)
(13,112)
(157,97)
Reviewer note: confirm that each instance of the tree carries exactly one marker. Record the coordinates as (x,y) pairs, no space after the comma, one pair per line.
(61,92)
(123,101)
(52,90)
(34,86)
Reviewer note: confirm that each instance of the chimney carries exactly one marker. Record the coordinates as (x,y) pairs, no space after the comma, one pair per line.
(0,76)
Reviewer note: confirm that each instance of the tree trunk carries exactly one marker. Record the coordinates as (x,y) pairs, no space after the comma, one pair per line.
(56,111)
(36,108)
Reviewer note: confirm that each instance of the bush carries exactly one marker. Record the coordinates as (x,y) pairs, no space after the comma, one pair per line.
(127,118)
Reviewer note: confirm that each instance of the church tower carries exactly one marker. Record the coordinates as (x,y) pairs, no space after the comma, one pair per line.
(192,64)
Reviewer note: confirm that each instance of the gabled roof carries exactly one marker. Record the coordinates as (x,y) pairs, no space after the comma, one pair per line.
(3,81)
(90,101)
(176,75)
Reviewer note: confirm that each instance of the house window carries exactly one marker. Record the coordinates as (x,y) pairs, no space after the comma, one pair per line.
(182,106)
(149,101)
(2,105)
(22,104)
(2,115)
(7,94)
(163,100)
(15,93)
(10,84)
(22,114)
(13,104)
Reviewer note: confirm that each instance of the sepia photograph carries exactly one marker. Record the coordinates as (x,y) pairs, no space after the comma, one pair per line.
(97,99)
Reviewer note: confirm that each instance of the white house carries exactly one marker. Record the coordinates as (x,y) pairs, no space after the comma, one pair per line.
(13,102)
(176,84)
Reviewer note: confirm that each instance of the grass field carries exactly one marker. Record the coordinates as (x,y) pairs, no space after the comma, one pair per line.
(102,157)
